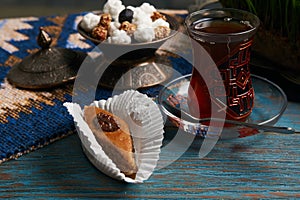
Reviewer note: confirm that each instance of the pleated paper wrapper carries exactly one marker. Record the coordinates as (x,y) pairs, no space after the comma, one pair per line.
(145,122)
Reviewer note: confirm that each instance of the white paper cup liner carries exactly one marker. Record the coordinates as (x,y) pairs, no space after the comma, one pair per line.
(146,128)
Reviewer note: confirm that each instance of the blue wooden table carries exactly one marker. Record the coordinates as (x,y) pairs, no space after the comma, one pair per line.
(262,166)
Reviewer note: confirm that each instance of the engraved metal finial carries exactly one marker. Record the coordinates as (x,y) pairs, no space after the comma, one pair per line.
(44,39)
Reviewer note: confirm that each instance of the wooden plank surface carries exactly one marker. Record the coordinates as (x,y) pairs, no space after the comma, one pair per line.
(261,166)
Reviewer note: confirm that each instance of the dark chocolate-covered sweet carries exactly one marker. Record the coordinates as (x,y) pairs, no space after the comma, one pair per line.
(126,15)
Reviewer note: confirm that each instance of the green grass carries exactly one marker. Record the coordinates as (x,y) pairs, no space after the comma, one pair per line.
(280,16)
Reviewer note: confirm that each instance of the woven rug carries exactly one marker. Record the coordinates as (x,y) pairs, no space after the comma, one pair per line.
(32,119)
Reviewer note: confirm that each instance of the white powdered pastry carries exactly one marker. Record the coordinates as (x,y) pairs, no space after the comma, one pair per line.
(146,127)
(144,34)
(113,7)
(160,22)
(89,21)
(140,18)
(119,37)
(147,8)
(113,26)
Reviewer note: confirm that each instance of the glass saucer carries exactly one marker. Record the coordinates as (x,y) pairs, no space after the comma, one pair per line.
(269,104)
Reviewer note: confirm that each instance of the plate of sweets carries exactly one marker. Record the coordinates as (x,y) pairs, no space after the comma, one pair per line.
(127,28)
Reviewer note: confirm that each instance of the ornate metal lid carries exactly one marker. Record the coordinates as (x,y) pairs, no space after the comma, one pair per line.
(48,67)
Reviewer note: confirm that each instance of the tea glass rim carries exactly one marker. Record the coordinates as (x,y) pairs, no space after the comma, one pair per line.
(255,22)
